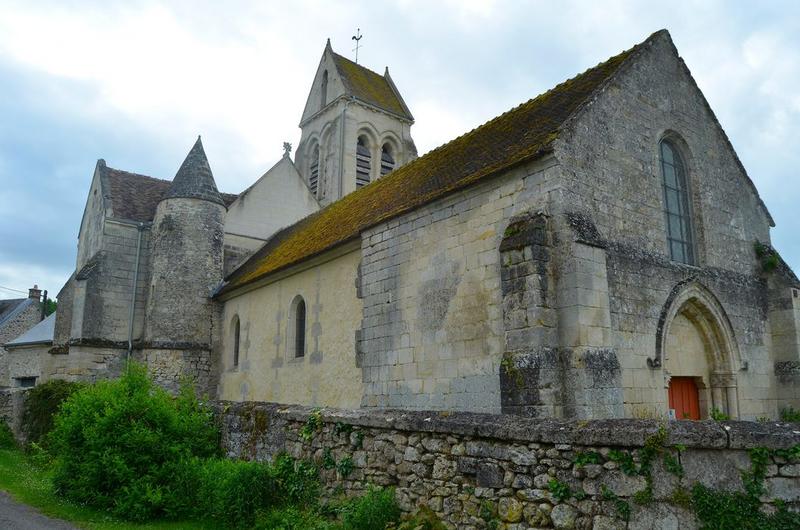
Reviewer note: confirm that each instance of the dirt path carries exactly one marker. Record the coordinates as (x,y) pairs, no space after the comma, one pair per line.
(16,516)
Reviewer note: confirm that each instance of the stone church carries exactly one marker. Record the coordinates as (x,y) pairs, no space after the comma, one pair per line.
(597,251)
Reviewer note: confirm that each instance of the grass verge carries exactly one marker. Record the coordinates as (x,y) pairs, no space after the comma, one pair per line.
(32,485)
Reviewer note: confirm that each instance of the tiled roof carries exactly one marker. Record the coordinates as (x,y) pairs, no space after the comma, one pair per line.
(520,135)
(41,333)
(11,307)
(134,197)
(370,87)
(194,179)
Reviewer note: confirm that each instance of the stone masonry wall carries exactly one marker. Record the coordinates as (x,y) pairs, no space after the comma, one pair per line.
(432,334)
(475,469)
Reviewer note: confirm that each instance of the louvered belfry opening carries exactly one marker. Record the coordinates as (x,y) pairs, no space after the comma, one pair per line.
(387,160)
(363,162)
(313,171)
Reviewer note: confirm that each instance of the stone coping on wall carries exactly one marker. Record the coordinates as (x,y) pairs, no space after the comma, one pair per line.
(707,434)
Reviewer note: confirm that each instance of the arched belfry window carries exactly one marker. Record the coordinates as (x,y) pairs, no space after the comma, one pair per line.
(236,335)
(298,327)
(363,162)
(676,205)
(323,98)
(313,170)
(387,160)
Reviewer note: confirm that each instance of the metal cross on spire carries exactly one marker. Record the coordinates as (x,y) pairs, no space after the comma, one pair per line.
(357,37)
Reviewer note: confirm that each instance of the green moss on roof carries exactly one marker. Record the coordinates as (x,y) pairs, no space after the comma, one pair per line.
(369,86)
(519,135)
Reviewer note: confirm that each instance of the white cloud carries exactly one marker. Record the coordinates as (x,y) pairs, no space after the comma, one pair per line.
(238,73)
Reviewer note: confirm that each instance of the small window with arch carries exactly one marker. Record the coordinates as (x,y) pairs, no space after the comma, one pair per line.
(676,204)
(297,329)
(235,330)
(363,162)
(387,160)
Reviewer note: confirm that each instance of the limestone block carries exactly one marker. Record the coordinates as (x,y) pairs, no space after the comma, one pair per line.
(714,469)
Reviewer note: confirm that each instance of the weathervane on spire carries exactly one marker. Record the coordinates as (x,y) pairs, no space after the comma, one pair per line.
(357,37)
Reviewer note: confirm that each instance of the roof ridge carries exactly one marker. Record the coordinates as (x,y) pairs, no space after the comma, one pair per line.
(532,100)
(132,173)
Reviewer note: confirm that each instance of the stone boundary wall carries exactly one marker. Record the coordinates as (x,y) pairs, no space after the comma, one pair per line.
(12,401)
(485,470)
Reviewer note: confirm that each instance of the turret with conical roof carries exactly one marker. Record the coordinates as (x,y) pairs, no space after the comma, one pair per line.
(194,179)
(186,265)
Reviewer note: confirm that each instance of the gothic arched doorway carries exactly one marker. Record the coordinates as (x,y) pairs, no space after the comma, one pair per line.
(699,355)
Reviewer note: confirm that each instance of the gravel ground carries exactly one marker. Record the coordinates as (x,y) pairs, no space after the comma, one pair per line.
(16,516)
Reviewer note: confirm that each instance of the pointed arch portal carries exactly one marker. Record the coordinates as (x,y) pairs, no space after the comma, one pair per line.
(696,348)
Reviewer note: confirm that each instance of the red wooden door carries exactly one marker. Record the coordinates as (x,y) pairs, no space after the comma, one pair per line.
(684,398)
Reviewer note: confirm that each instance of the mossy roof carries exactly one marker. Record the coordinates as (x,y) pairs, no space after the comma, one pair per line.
(370,87)
(520,135)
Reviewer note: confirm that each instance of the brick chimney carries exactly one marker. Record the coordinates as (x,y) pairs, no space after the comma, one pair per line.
(35,293)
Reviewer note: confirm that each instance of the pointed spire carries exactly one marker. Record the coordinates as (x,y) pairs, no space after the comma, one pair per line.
(328,44)
(194,179)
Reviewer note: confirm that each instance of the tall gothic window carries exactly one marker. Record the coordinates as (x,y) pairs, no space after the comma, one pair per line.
(387,160)
(236,329)
(299,326)
(363,162)
(313,170)
(676,205)
(323,100)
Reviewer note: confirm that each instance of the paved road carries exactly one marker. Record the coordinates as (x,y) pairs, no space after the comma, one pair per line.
(16,516)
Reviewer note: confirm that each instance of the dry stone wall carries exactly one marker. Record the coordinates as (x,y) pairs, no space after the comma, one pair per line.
(483,470)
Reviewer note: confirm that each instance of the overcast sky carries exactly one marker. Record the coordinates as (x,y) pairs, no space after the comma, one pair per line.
(136,82)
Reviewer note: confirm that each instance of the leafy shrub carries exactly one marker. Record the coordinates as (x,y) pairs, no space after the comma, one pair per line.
(374,510)
(226,491)
(41,405)
(790,414)
(7,440)
(423,519)
(119,444)
(292,518)
(718,415)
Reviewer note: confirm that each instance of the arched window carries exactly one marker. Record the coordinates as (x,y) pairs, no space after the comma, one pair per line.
(387,160)
(323,100)
(363,162)
(236,328)
(313,170)
(676,205)
(299,326)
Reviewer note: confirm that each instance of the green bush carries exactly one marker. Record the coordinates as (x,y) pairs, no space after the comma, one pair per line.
(423,519)
(293,518)
(7,440)
(41,405)
(233,492)
(374,510)
(790,414)
(119,444)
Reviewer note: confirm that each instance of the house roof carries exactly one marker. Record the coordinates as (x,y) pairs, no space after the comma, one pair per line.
(522,134)
(370,87)
(13,307)
(41,333)
(134,197)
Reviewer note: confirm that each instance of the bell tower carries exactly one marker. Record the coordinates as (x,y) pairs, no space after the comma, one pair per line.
(355,128)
